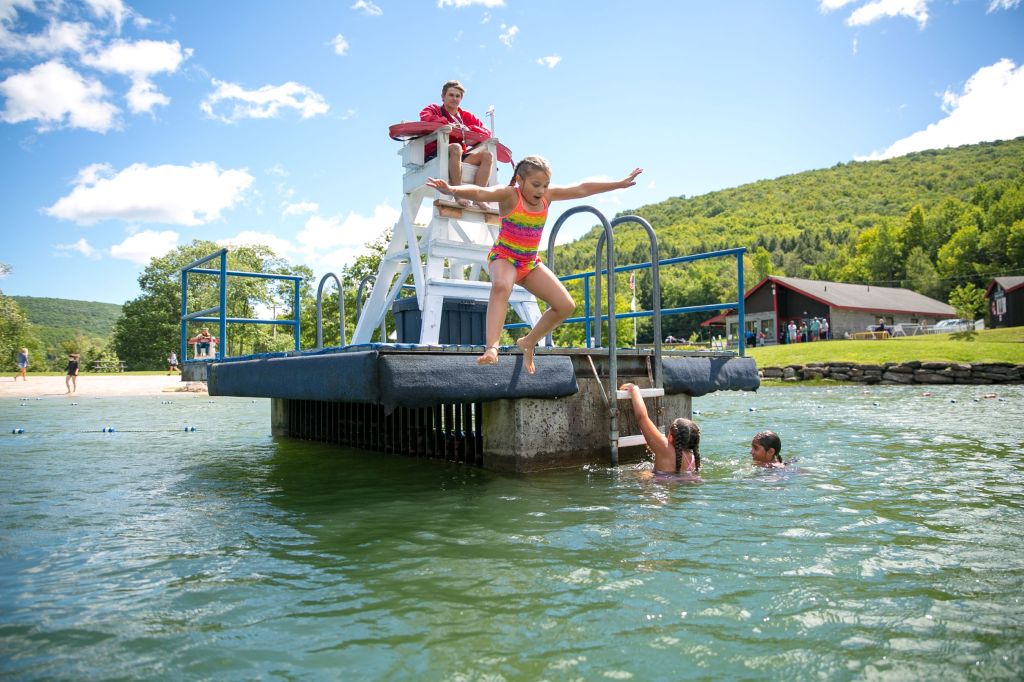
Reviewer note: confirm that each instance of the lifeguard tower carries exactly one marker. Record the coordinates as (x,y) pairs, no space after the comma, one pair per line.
(444,249)
(432,399)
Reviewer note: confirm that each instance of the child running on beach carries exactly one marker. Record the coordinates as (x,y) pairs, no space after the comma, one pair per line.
(766,449)
(676,455)
(523,205)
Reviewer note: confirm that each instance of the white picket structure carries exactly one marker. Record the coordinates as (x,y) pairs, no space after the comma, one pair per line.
(446,256)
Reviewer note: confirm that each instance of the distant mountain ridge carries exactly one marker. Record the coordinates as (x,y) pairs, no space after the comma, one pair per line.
(89,318)
(929,221)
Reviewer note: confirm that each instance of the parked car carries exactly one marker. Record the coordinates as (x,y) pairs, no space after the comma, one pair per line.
(947,326)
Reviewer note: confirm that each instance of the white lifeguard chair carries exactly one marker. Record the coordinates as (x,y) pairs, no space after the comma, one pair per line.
(446,256)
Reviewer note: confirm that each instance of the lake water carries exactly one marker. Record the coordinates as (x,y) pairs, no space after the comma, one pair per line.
(894,549)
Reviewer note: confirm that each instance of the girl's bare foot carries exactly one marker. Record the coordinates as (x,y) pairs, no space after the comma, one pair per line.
(528,349)
(490,356)
(464,203)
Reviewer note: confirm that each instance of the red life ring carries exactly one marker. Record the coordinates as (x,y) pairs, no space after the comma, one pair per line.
(413,129)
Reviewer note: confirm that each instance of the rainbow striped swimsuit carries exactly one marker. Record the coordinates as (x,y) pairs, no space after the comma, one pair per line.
(519,238)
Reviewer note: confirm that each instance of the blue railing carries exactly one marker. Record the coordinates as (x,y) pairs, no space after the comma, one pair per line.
(218,313)
(588,319)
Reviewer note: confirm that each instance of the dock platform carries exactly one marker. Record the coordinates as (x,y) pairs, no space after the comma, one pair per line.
(435,401)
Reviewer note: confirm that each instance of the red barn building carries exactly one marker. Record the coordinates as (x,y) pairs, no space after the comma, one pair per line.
(1005,301)
(848,308)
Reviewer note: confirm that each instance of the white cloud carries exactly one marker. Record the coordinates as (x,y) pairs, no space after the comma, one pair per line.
(301,208)
(368,8)
(9,8)
(143,246)
(880,9)
(470,3)
(509,34)
(551,61)
(115,9)
(830,5)
(339,235)
(340,45)
(996,5)
(81,247)
(57,37)
(282,247)
(140,61)
(263,103)
(181,195)
(54,95)
(991,107)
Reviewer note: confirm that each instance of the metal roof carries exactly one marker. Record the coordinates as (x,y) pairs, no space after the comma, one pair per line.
(863,296)
(1007,283)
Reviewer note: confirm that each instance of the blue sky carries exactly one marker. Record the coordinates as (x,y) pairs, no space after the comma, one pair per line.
(130,128)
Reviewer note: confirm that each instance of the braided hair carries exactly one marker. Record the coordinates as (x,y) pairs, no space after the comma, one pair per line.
(530,164)
(685,436)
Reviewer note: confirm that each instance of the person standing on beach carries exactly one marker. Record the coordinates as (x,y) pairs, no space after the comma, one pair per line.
(22,364)
(172,362)
(71,373)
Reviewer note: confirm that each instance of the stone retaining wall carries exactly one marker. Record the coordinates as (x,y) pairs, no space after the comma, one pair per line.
(912,372)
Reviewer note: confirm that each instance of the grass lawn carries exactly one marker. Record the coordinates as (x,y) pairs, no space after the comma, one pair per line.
(990,345)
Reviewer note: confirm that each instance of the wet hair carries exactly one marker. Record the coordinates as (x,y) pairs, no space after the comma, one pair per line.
(530,164)
(770,439)
(685,436)
(452,84)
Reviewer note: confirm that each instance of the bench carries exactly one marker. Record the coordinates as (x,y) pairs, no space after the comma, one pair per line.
(869,336)
(109,365)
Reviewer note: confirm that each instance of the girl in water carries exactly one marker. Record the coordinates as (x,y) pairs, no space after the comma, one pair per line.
(523,205)
(766,449)
(676,455)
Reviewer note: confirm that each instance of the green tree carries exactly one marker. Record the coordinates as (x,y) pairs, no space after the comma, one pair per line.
(922,276)
(14,330)
(1015,244)
(915,234)
(761,264)
(958,256)
(968,301)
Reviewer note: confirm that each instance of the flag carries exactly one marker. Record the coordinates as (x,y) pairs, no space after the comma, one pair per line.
(632,287)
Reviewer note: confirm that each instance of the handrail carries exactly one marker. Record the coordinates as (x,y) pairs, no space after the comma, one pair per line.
(613,368)
(655,290)
(220,310)
(587,319)
(320,310)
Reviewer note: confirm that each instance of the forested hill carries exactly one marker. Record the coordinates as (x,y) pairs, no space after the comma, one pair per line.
(928,221)
(86,317)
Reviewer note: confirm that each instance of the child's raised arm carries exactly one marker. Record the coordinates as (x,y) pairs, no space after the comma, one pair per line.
(656,440)
(586,189)
(498,193)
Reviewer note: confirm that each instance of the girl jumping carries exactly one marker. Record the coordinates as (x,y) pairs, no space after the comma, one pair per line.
(523,206)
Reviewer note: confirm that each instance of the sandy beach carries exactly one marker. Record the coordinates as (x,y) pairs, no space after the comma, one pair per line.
(91,385)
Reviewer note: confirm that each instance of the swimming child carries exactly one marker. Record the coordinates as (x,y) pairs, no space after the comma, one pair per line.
(675,454)
(523,205)
(766,449)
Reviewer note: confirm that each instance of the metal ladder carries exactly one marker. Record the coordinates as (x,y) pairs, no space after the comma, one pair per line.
(613,395)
